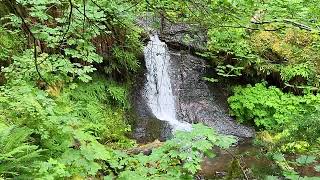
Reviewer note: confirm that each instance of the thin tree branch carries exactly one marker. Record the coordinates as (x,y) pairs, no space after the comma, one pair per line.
(287,21)
(301,87)
(69,24)
(125,10)
(84,16)
(244,27)
(35,53)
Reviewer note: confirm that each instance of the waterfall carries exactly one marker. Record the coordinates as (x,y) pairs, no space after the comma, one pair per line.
(158,88)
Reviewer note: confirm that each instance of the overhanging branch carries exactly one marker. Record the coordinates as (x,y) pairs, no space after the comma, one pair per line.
(35,53)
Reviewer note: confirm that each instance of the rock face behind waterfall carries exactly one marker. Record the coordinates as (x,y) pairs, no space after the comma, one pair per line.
(195,102)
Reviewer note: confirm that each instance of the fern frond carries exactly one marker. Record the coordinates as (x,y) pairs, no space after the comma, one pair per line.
(17,156)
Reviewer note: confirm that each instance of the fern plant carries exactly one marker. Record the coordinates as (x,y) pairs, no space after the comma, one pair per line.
(17,156)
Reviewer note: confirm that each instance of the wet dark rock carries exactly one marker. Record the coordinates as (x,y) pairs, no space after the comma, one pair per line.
(184,37)
(196,102)
(145,127)
(149,129)
(178,36)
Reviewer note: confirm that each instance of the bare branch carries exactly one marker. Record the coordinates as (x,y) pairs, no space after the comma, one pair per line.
(69,24)
(35,53)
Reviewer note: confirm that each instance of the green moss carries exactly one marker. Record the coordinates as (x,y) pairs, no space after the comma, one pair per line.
(234,170)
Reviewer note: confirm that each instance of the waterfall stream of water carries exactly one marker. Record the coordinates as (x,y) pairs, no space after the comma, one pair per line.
(158,89)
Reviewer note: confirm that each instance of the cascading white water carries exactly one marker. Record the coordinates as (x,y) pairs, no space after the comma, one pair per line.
(158,87)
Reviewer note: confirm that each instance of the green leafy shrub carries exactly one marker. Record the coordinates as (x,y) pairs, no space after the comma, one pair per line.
(178,158)
(269,107)
(71,122)
(83,159)
(68,39)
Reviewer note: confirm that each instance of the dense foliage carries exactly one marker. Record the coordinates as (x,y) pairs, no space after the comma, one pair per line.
(270,107)
(66,71)
(67,67)
(178,158)
(273,46)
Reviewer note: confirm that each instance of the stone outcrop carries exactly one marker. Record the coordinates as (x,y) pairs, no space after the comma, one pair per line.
(196,101)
